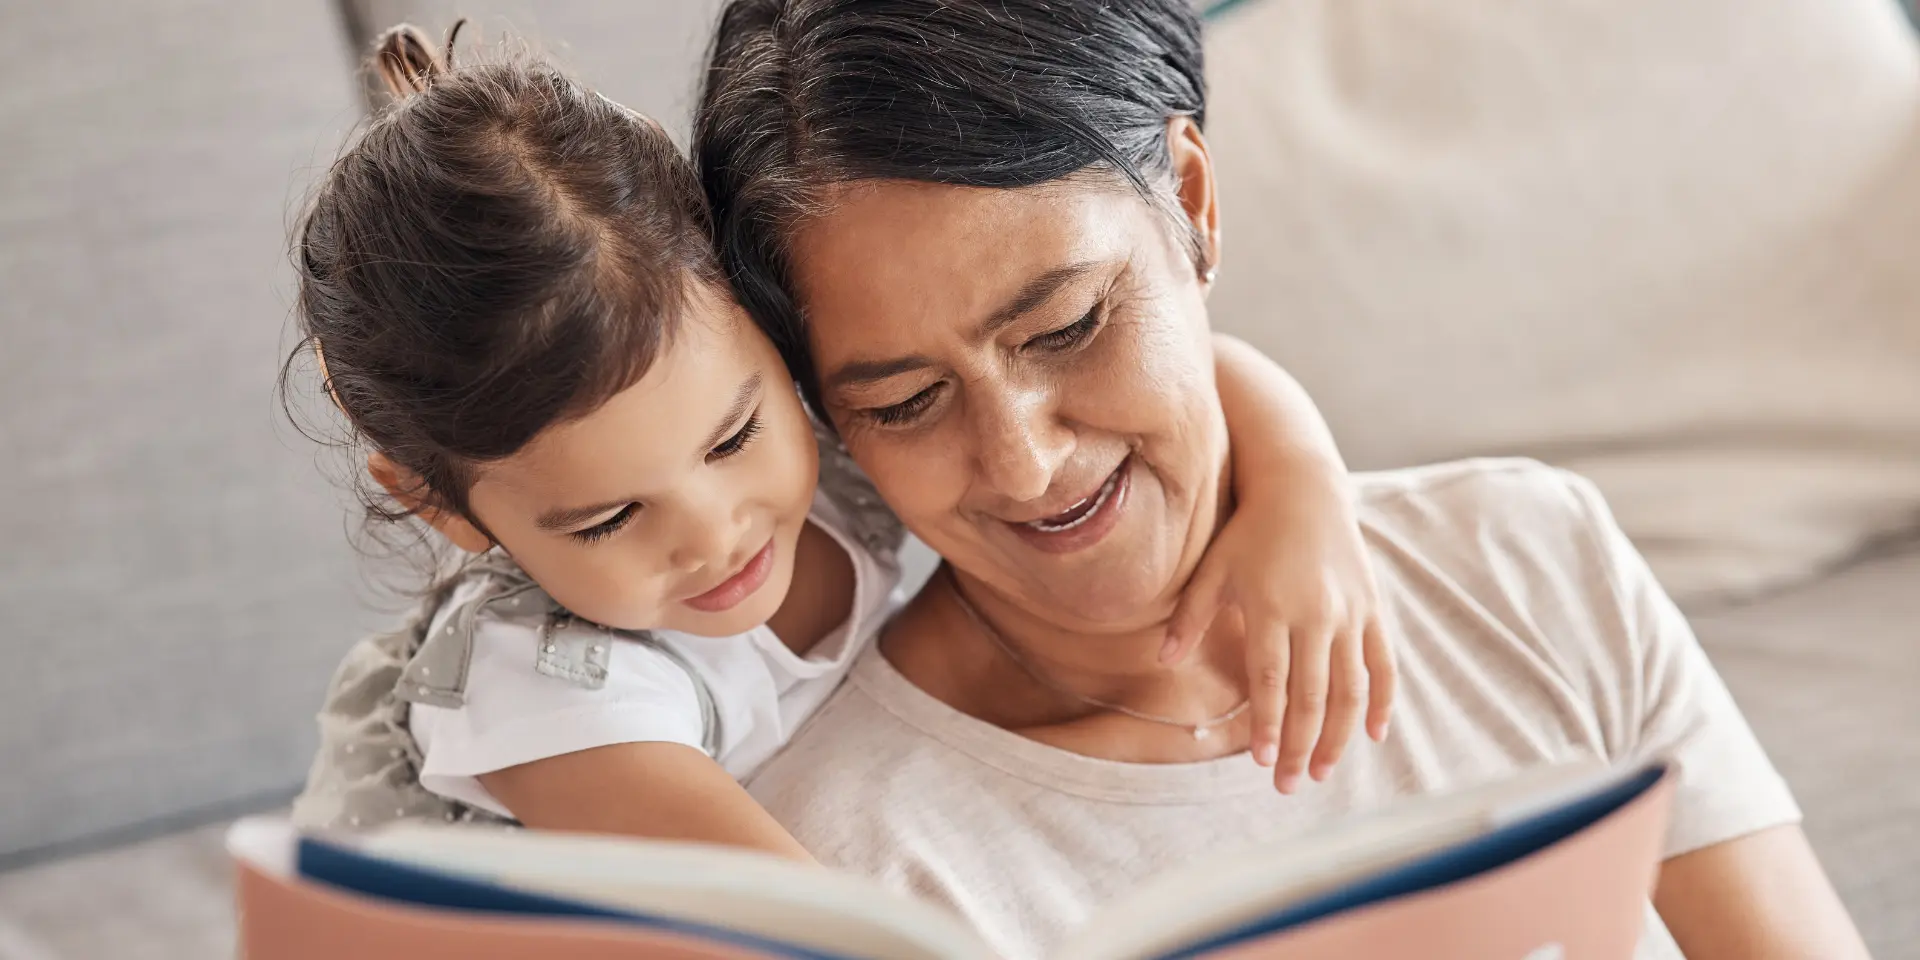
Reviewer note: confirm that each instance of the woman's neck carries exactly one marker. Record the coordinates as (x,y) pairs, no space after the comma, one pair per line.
(1066,687)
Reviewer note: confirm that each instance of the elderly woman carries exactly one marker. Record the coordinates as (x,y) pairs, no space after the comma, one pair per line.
(983,234)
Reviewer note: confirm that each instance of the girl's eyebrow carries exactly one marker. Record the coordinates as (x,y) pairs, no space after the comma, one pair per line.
(742,398)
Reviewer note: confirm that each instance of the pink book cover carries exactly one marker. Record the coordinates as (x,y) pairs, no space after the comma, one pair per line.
(1584,898)
(288,919)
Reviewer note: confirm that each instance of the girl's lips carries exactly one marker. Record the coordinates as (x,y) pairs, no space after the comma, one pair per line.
(738,587)
(1087,522)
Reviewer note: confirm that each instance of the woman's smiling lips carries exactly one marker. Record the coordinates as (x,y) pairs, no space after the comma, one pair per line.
(1085,522)
(738,587)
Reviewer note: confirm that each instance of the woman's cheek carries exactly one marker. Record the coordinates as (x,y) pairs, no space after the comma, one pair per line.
(911,475)
(1168,398)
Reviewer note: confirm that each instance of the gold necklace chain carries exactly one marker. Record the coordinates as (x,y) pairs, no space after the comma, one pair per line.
(1201,730)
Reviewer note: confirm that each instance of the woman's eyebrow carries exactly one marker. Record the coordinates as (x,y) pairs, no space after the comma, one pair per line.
(1036,292)
(742,398)
(1031,295)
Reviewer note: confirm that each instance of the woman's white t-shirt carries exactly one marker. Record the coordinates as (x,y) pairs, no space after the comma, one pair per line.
(761,690)
(1528,631)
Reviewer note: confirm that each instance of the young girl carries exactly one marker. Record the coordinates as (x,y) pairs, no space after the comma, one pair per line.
(509,289)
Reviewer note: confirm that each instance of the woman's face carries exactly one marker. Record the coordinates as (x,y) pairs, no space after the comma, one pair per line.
(1027,376)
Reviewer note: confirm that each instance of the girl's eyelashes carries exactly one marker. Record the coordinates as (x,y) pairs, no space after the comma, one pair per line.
(727,448)
(738,442)
(608,527)
(906,410)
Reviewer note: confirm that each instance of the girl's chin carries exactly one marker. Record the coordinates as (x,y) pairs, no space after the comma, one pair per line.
(750,614)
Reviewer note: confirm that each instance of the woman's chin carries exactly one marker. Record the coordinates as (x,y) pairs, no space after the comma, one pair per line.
(1124,582)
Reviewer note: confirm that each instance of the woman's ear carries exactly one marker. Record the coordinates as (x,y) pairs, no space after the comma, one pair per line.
(412,493)
(1195,184)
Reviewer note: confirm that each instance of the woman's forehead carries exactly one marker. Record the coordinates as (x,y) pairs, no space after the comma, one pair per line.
(902,255)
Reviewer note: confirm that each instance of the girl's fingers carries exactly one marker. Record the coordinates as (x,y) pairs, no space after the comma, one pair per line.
(1269,659)
(1199,604)
(1346,700)
(1383,679)
(1306,705)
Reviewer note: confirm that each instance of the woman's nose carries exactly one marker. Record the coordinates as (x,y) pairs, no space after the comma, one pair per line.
(1021,447)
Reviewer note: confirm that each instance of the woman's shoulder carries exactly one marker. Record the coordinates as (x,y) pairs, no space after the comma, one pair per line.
(1518,568)
(1499,489)
(1500,525)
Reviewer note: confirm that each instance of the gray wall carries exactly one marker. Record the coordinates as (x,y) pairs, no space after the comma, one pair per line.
(175,583)
(643,53)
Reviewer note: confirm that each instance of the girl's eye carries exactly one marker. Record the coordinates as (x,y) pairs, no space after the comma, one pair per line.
(1071,335)
(907,409)
(608,527)
(738,441)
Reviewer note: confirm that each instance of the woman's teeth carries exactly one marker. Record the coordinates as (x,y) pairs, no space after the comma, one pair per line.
(1078,513)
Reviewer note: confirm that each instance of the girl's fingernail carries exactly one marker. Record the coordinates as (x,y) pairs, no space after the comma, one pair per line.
(1288,783)
(1167,649)
(1319,772)
(1267,755)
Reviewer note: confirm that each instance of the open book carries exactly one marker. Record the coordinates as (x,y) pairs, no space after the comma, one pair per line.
(1556,863)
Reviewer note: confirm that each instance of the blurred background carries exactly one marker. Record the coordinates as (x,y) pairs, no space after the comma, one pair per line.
(1672,244)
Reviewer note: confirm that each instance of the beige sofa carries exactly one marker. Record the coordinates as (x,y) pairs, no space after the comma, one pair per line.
(1674,246)
(1669,243)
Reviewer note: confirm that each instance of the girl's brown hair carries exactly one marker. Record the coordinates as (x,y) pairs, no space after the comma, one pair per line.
(501,249)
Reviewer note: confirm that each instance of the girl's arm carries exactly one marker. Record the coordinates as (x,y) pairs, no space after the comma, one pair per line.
(671,791)
(666,791)
(1292,560)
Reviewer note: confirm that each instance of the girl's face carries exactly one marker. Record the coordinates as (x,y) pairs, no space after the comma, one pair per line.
(675,505)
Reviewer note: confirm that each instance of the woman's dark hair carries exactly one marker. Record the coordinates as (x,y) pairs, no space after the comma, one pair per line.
(803,94)
(501,250)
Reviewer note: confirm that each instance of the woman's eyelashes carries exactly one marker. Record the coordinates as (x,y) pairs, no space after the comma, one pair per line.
(1072,335)
(1066,338)
(738,442)
(608,527)
(904,411)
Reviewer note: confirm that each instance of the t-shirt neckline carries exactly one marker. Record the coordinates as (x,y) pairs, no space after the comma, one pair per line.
(1048,766)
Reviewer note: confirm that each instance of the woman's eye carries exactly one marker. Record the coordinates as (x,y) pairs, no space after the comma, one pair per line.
(738,441)
(907,409)
(608,527)
(1071,335)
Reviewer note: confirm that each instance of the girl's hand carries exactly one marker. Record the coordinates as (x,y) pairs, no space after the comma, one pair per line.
(1292,564)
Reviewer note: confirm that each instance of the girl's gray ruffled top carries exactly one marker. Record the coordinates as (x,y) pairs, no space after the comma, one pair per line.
(366,772)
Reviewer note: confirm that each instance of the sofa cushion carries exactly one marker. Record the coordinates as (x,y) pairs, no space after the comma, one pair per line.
(1670,246)
(174,582)
(1826,675)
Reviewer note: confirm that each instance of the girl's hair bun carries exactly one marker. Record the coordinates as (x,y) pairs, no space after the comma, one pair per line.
(407,60)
